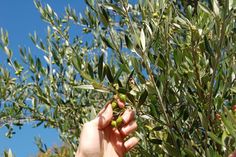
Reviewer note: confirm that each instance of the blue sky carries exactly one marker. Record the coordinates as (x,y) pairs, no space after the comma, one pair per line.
(20,18)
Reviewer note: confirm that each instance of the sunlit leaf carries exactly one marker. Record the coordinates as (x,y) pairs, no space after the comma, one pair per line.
(216,7)
(142,39)
(115,8)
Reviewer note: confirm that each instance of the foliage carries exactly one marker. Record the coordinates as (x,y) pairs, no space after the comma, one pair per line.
(63,151)
(8,153)
(175,63)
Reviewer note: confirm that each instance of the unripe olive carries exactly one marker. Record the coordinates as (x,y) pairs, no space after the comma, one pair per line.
(122,97)
(114,104)
(119,120)
(113,123)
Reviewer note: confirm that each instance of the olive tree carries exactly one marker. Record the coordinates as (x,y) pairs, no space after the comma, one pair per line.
(174,62)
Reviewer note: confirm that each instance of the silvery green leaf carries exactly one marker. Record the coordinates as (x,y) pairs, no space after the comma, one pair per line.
(142,39)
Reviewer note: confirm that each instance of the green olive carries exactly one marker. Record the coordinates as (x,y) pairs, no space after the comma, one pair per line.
(122,97)
(113,123)
(119,120)
(114,104)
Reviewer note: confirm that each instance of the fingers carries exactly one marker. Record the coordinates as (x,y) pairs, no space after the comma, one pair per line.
(121,146)
(129,125)
(108,103)
(104,117)
(128,116)
(120,103)
(128,128)
(130,143)
(233,154)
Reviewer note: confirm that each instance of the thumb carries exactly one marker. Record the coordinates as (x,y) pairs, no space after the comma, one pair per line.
(104,117)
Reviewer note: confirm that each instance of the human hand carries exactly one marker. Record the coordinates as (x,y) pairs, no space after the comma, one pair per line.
(233,154)
(99,139)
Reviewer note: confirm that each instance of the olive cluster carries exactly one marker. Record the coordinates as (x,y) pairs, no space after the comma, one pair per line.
(117,110)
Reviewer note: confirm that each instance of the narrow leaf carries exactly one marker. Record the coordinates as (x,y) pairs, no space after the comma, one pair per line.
(85,75)
(142,39)
(233,89)
(216,7)
(115,8)
(208,46)
(100,68)
(90,70)
(109,75)
(143,98)
(156,141)
(85,87)
(215,138)
(107,42)
(104,17)
(129,43)
(205,9)
(131,98)
(119,72)
(76,61)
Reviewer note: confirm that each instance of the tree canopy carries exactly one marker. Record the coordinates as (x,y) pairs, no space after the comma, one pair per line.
(175,62)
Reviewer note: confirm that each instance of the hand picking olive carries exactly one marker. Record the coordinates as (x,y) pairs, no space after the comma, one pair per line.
(117,110)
